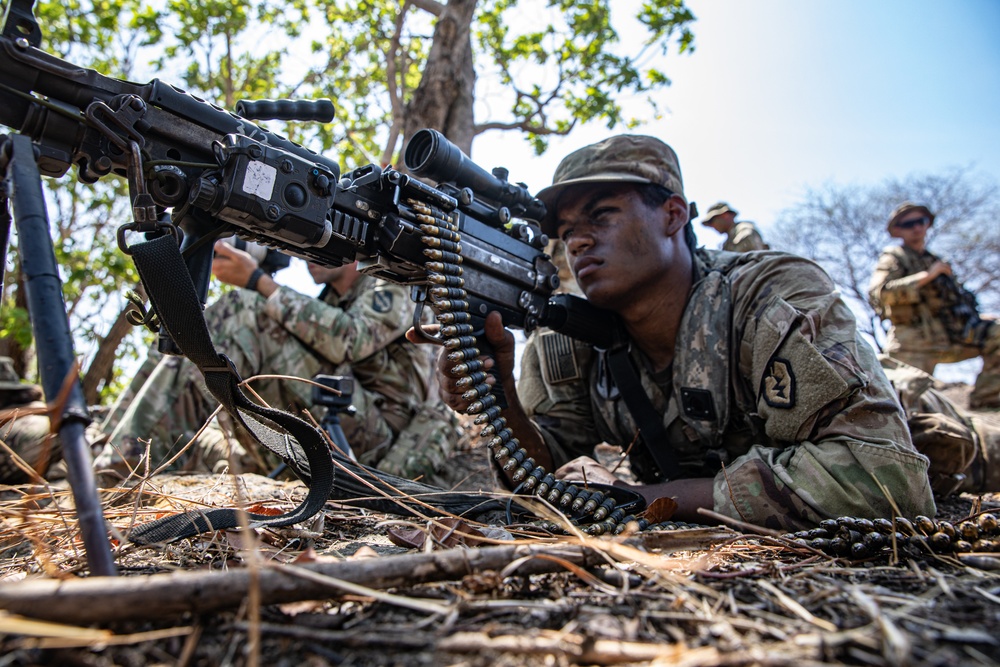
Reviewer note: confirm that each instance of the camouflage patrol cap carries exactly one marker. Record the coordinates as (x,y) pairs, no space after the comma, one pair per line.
(625,158)
(902,210)
(715,209)
(9,379)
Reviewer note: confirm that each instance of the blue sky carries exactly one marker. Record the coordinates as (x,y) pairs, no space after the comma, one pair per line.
(780,95)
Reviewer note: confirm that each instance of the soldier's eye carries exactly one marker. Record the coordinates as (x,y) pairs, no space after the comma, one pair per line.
(602,214)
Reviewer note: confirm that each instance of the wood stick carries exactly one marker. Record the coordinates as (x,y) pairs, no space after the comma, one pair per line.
(579,649)
(574,647)
(159,596)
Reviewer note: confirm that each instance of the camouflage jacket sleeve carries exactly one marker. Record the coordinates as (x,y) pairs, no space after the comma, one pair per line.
(893,282)
(557,398)
(378,316)
(746,238)
(834,440)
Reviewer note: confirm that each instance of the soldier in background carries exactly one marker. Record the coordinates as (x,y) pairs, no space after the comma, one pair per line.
(933,319)
(269,261)
(741,236)
(963,449)
(24,428)
(354,328)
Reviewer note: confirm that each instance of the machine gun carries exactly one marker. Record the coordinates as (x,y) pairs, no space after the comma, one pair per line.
(218,174)
(468,244)
(959,312)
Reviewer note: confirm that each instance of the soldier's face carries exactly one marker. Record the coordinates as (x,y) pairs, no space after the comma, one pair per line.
(912,228)
(723,223)
(616,245)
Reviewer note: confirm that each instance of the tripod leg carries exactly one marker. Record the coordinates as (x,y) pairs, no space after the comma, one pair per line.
(54,345)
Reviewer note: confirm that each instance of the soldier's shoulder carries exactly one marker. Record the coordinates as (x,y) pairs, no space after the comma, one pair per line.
(765,261)
(775,270)
(894,250)
(385,298)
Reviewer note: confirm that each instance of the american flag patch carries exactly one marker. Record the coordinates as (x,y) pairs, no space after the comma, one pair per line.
(558,354)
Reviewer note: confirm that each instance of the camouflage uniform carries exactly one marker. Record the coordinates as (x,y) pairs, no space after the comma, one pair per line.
(24,427)
(917,334)
(771,392)
(963,449)
(743,236)
(400,425)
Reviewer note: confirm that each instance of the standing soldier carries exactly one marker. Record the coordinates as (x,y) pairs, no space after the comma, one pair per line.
(741,236)
(24,427)
(933,319)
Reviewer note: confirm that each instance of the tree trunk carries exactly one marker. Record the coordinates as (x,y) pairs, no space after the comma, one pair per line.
(444,98)
(102,366)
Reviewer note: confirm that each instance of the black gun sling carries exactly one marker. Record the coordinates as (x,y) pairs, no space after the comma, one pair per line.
(172,294)
(173,297)
(647,418)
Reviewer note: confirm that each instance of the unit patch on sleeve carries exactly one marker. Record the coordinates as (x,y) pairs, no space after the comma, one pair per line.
(778,384)
(382,301)
(558,355)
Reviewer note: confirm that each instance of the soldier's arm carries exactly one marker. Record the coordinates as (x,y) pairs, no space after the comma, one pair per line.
(837,442)
(891,285)
(377,317)
(554,384)
(236,267)
(500,365)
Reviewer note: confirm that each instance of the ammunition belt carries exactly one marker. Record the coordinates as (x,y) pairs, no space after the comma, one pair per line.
(595,508)
(865,538)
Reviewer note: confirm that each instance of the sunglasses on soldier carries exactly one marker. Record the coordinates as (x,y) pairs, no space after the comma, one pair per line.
(910,224)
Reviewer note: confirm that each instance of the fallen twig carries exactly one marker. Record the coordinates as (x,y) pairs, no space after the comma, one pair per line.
(105,599)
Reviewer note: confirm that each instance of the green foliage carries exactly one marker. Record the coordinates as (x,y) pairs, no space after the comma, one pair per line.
(14,324)
(220,40)
(546,76)
(575,69)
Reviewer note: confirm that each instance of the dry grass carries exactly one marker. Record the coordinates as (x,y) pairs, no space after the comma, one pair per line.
(677,599)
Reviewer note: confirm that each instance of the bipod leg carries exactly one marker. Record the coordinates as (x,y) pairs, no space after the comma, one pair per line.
(54,346)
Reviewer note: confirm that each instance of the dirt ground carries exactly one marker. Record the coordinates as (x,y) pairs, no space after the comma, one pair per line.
(428,592)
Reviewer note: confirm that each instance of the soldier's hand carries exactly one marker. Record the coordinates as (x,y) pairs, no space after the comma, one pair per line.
(584,468)
(939,268)
(502,360)
(503,344)
(231,265)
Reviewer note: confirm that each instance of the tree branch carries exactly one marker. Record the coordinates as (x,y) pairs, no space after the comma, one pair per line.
(431,6)
(106,599)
